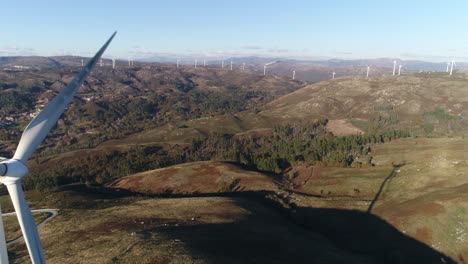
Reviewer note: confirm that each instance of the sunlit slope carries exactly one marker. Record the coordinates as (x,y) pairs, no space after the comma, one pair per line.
(409,97)
(195,178)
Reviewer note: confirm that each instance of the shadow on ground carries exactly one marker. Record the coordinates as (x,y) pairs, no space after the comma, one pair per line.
(301,235)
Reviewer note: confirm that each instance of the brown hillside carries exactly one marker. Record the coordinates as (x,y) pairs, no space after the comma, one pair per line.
(409,96)
(194,178)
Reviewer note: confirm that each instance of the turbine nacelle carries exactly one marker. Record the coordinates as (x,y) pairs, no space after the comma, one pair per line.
(12,170)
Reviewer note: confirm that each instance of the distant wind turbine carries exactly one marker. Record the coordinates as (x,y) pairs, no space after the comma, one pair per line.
(204,62)
(399,70)
(196,63)
(394,67)
(294,75)
(243,66)
(100,63)
(448,65)
(368,70)
(178,63)
(82,63)
(113,63)
(231,65)
(268,64)
(222,64)
(333,75)
(451,68)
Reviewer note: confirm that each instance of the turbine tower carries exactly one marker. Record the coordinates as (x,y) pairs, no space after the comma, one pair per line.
(243,66)
(222,64)
(12,171)
(451,68)
(448,65)
(113,63)
(231,65)
(394,67)
(129,64)
(82,63)
(333,75)
(177,63)
(204,62)
(100,63)
(196,63)
(399,70)
(368,70)
(294,75)
(264,70)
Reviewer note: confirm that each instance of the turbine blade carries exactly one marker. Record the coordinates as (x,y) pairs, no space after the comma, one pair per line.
(26,222)
(40,126)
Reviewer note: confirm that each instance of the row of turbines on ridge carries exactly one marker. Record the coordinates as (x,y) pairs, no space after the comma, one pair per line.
(449,69)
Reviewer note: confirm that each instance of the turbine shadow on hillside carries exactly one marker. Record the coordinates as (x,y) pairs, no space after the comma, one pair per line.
(302,235)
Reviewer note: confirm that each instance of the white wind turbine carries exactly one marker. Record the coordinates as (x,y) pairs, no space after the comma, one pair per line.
(368,70)
(113,63)
(12,171)
(196,61)
(399,70)
(178,63)
(448,65)
(294,75)
(394,67)
(268,64)
(231,65)
(333,75)
(451,67)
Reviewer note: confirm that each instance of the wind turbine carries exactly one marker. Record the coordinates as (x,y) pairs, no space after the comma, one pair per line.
(196,63)
(12,171)
(399,70)
(101,63)
(204,62)
(294,75)
(177,63)
(113,63)
(448,64)
(394,67)
(222,64)
(82,63)
(451,68)
(268,64)
(333,75)
(231,65)
(368,70)
(243,66)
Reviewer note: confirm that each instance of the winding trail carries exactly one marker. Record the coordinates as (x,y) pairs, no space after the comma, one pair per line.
(51,214)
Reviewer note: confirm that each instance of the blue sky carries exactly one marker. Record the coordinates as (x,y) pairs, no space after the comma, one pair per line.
(430,30)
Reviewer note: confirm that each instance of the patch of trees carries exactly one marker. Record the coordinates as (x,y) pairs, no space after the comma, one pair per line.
(14,102)
(309,144)
(291,144)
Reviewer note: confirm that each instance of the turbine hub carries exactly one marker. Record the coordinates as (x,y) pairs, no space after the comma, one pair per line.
(12,170)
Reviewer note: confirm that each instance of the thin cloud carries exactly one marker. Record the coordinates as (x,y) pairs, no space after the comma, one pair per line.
(252,47)
(14,50)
